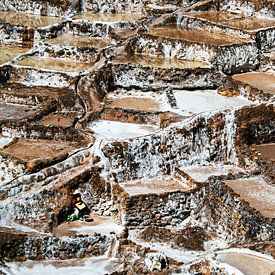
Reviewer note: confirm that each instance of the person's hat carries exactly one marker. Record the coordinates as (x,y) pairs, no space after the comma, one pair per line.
(76,192)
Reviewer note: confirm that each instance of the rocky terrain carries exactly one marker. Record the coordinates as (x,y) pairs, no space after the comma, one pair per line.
(160,113)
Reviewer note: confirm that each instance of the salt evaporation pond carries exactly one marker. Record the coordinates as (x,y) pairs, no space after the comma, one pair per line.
(206,101)
(91,266)
(119,130)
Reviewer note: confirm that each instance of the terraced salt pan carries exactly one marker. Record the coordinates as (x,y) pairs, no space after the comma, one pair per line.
(196,35)
(140,101)
(251,24)
(217,16)
(101,224)
(251,264)
(92,266)
(4,141)
(54,64)
(153,187)
(202,173)
(8,53)
(15,111)
(267,151)
(106,129)
(31,149)
(257,192)
(159,62)
(109,17)
(79,41)
(206,101)
(27,20)
(259,80)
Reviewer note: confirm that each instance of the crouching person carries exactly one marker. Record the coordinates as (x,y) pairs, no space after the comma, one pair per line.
(80,210)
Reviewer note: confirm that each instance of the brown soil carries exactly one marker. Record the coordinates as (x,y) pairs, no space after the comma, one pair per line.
(216,16)
(54,64)
(138,104)
(56,120)
(267,151)
(153,187)
(261,81)
(8,53)
(79,41)
(159,62)
(27,20)
(251,24)
(109,17)
(200,36)
(15,111)
(30,149)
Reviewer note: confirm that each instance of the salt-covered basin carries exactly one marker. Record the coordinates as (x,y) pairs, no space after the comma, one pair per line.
(205,101)
(107,129)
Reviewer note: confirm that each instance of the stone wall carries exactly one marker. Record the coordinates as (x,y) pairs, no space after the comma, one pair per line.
(114,6)
(39,77)
(133,6)
(255,125)
(227,214)
(28,37)
(249,7)
(201,140)
(213,206)
(43,7)
(158,210)
(227,58)
(26,246)
(99,29)
(132,75)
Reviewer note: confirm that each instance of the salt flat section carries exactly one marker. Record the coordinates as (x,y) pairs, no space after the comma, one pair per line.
(267,151)
(30,149)
(135,103)
(249,264)
(205,101)
(153,187)
(107,129)
(202,173)
(102,224)
(27,20)
(92,266)
(15,111)
(8,53)
(257,192)
(4,141)
(159,62)
(196,35)
(56,64)
(262,81)
(79,41)
(109,17)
